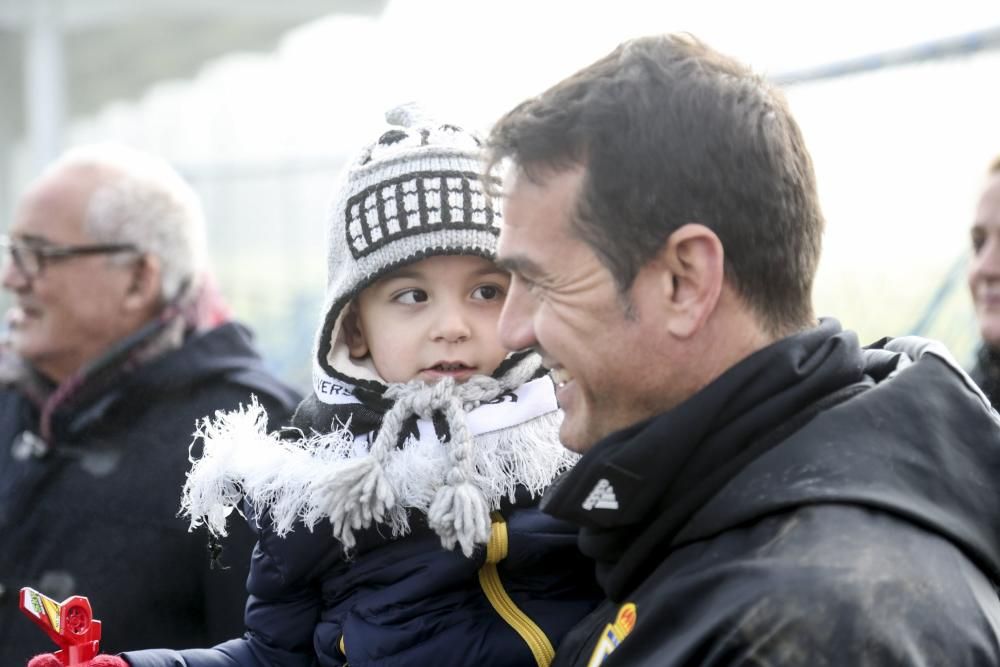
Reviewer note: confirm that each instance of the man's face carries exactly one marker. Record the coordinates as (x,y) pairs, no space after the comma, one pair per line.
(984,270)
(71,311)
(432,319)
(563,303)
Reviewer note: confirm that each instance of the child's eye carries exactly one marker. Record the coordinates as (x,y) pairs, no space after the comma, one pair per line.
(411,296)
(487,292)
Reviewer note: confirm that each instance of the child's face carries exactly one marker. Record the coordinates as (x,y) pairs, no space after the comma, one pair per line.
(432,319)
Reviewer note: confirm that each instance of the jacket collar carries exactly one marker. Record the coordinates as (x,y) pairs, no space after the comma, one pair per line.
(637,488)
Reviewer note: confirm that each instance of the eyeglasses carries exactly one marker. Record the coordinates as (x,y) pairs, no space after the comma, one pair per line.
(31,259)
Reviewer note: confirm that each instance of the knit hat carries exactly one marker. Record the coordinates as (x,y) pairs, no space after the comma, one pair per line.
(416,192)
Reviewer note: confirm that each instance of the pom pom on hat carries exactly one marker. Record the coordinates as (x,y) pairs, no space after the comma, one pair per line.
(406,115)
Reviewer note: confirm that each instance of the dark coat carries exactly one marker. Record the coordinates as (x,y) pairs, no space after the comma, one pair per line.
(986,372)
(97,515)
(400,602)
(816,505)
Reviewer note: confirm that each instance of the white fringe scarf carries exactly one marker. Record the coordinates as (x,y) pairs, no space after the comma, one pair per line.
(354,482)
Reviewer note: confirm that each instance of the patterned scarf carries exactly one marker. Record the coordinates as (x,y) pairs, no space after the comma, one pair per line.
(503,437)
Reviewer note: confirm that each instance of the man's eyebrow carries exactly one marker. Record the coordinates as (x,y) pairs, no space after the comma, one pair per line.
(32,239)
(519,264)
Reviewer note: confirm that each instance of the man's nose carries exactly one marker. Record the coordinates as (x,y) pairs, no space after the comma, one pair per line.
(515,327)
(11,276)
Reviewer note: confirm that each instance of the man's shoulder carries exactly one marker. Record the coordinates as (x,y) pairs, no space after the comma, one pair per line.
(826,582)
(823,545)
(224,362)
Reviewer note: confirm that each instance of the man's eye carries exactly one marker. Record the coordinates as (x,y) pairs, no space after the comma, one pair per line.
(525,283)
(978,239)
(411,296)
(487,292)
(533,286)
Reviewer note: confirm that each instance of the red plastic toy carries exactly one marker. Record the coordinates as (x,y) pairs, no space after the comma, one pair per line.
(69,623)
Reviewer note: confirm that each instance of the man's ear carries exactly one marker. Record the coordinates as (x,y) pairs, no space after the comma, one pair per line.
(693,264)
(145,291)
(354,334)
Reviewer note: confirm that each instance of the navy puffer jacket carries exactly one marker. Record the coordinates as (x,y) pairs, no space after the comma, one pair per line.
(405,601)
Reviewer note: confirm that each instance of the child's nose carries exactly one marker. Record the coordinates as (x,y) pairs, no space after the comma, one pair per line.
(452,327)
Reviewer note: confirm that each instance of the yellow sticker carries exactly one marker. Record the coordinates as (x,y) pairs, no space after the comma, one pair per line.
(52,611)
(614,634)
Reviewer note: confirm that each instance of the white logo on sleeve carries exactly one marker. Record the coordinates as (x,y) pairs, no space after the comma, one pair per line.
(602,497)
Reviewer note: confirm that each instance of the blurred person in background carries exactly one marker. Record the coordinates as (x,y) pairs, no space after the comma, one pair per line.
(117,345)
(984,283)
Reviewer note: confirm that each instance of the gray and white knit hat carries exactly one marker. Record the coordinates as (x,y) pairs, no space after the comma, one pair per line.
(416,192)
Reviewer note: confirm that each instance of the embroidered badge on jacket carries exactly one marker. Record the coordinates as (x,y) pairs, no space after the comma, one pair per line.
(614,634)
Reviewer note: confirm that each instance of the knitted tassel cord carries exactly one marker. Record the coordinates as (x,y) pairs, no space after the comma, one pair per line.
(357,496)
(460,512)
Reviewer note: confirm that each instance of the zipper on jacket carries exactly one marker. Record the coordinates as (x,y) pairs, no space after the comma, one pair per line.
(489,579)
(343,649)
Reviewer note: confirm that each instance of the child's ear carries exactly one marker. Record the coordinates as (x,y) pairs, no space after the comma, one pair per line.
(354,334)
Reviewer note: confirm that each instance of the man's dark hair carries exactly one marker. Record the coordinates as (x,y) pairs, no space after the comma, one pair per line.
(671,132)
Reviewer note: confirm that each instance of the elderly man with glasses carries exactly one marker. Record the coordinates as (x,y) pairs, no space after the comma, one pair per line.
(116,345)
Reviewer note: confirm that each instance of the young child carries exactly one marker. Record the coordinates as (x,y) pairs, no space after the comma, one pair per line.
(425,446)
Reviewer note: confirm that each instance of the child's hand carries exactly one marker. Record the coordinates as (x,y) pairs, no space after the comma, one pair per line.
(50,660)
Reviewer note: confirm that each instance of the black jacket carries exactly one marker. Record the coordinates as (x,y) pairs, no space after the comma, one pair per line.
(400,602)
(405,601)
(986,372)
(97,514)
(818,504)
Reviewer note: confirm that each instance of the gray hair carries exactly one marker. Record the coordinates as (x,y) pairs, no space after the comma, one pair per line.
(142,200)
